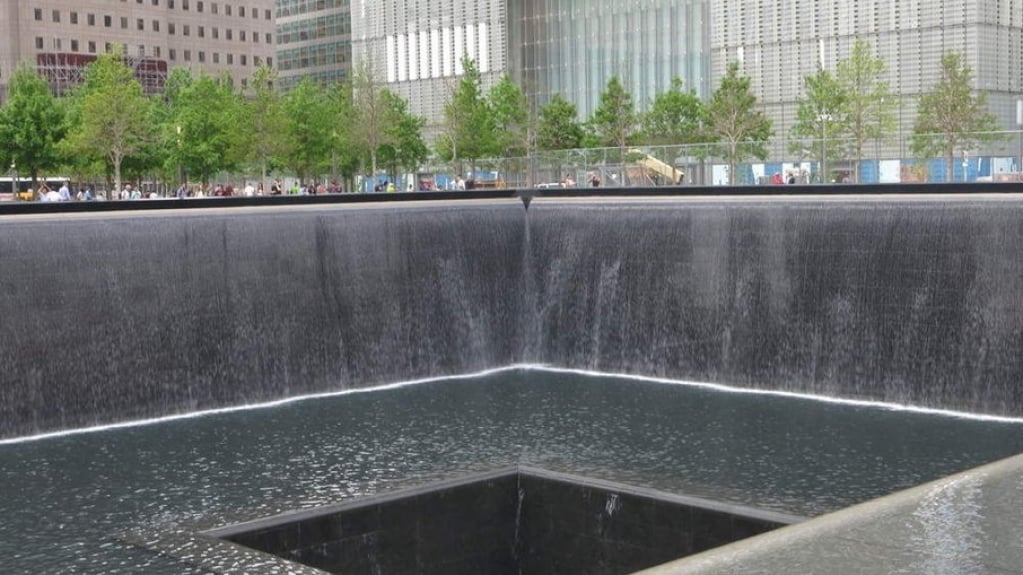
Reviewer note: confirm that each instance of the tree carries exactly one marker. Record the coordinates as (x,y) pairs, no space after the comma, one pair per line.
(822,115)
(31,124)
(869,101)
(115,118)
(371,115)
(310,127)
(950,116)
(676,116)
(408,150)
(557,126)
(266,139)
(204,126)
(733,118)
(511,114)
(614,120)
(471,128)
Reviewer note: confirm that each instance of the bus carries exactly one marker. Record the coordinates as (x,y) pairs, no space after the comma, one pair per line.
(24,185)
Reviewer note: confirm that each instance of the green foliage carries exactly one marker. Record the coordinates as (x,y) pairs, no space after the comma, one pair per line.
(822,114)
(869,103)
(408,150)
(264,115)
(371,116)
(557,126)
(113,117)
(676,116)
(470,125)
(511,114)
(203,127)
(950,117)
(735,121)
(31,124)
(309,136)
(614,121)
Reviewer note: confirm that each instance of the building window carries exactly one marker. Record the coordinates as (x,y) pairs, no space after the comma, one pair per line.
(202,31)
(74,17)
(266,15)
(172,53)
(241,35)
(184,6)
(188,55)
(56,44)
(107,47)
(230,59)
(92,46)
(74,45)
(39,42)
(156,2)
(156,25)
(91,19)
(268,38)
(227,9)
(198,8)
(269,62)
(38,13)
(107,21)
(216,33)
(156,51)
(170,4)
(140,24)
(202,56)
(229,34)
(56,15)
(245,59)
(170,28)
(216,57)
(124,22)
(241,11)
(214,8)
(142,51)
(186,30)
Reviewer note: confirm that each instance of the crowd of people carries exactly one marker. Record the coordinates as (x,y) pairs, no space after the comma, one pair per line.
(66,193)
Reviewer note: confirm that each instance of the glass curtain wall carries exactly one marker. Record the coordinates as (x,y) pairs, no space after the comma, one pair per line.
(572,47)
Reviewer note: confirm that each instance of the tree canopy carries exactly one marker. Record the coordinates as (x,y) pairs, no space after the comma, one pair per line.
(31,124)
(951,117)
(735,120)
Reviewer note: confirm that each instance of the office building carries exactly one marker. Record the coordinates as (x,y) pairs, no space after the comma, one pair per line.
(60,38)
(313,40)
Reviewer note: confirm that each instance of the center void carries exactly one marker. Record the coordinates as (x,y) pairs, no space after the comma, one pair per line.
(514,521)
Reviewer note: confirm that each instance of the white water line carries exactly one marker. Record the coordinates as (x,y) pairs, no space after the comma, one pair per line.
(523,367)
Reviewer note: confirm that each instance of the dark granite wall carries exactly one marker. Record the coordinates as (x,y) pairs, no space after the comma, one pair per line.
(505,523)
(465,529)
(110,317)
(917,301)
(573,527)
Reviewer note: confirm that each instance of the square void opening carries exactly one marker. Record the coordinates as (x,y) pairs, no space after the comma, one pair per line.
(515,521)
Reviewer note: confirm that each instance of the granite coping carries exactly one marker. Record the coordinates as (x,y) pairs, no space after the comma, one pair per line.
(964,523)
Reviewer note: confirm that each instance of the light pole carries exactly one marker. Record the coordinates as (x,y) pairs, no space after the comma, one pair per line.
(1019,127)
(824,119)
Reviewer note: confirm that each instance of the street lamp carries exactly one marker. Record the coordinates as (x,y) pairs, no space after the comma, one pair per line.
(824,119)
(1019,126)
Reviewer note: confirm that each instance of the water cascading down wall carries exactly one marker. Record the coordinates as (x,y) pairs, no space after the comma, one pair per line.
(121,316)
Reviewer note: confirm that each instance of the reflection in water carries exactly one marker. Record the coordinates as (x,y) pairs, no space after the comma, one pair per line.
(81,503)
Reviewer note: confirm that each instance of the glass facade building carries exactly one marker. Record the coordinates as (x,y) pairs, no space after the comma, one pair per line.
(313,39)
(417,46)
(572,47)
(781,42)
